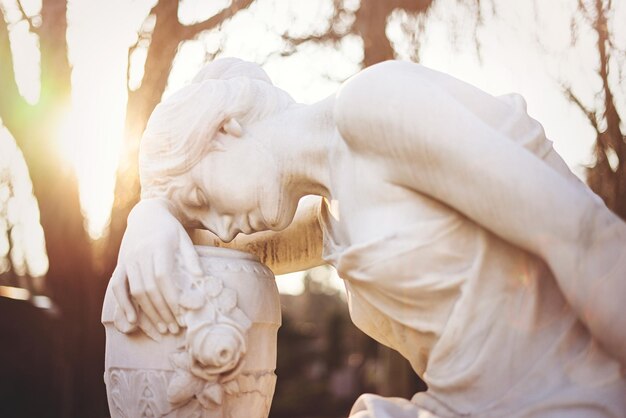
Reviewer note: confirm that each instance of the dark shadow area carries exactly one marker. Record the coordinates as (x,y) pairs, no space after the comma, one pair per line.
(34,376)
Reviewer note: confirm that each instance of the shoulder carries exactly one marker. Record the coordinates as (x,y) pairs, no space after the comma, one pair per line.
(375,83)
(368,105)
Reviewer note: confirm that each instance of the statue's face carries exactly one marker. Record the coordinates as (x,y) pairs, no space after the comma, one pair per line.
(238,188)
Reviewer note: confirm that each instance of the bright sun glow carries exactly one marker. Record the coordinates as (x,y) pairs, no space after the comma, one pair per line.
(93,134)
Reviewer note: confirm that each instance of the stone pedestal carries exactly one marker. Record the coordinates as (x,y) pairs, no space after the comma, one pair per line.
(220,365)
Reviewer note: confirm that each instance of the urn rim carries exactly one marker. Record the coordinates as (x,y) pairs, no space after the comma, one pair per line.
(221,252)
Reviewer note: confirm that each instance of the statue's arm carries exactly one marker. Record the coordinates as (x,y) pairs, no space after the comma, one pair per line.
(155,241)
(152,245)
(296,248)
(426,132)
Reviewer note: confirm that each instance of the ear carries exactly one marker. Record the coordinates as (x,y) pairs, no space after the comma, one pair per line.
(232,127)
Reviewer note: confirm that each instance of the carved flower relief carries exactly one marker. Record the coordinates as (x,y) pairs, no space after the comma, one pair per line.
(214,356)
(216,349)
(214,345)
(199,291)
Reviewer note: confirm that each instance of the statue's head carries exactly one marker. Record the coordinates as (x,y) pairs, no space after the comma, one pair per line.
(197,153)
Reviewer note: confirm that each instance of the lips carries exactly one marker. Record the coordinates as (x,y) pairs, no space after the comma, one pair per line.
(258,222)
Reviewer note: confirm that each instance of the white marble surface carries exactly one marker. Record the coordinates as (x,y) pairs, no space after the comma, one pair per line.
(465,242)
(221,361)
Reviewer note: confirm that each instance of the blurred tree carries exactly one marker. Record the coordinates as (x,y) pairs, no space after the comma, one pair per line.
(368,20)
(34,127)
(76,284)
(607,175)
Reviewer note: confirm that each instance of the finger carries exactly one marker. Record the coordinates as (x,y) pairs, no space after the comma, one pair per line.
(119,285)
(189,255)
(139,292)
(154,294)
(164,274)
(148,327)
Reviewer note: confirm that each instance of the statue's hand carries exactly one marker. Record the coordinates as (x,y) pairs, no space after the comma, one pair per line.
(146,265)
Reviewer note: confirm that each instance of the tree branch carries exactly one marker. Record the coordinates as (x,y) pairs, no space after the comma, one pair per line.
(584,12)
(331,35)
(611,115)
(189,32)
(328,36)
(589,114)
(28,19)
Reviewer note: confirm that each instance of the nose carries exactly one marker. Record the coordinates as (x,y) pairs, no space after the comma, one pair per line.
(224,229)
(219,225)
(226,222)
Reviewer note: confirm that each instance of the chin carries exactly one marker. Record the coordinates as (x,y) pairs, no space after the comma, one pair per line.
(283,216)
(272,223)
(280,223)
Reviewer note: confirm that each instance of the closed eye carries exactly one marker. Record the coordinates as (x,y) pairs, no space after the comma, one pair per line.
(197,198)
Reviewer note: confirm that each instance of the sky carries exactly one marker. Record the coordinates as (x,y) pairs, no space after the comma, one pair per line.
(525,49)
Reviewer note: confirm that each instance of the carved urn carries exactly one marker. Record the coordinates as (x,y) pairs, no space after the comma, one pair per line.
(220,365)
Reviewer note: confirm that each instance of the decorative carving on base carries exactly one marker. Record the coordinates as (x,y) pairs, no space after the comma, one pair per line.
(143,393)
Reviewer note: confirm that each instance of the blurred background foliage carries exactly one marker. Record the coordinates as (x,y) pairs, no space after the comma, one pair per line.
(79,79)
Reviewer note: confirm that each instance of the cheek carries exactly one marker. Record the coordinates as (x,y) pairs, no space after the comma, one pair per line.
(234,194)
(277,206)
(246,190)
(226,183)
(245,183)
(268,201)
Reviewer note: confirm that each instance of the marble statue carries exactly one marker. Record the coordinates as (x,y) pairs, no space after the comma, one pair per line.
(464,241)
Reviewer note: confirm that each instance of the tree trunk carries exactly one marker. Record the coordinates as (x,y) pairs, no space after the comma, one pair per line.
(606,177)
(70,275)
(141,102)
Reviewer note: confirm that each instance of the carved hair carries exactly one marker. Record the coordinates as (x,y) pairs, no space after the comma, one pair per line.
(181,129)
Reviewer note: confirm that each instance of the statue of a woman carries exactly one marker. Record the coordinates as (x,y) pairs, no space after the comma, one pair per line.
(465,242)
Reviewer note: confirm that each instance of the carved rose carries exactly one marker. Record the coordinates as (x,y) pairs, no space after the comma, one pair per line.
(216,349)
(213,352)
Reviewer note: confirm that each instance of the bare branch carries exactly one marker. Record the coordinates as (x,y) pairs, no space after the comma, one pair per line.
(294,41)
(28,19)
(585,12)
(191,31)
(591,117)
(613,119)
(330,36)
